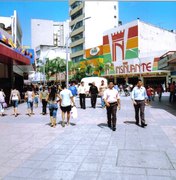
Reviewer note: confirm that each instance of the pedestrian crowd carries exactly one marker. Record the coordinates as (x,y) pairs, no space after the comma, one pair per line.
(54,97)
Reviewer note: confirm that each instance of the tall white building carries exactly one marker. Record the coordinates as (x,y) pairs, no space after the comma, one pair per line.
(48,32)
(13,25)
(88,33)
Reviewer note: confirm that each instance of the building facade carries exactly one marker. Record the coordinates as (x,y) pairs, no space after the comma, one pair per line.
(14,60)
(88,33)
(131,51)
(48,32)
(12,26)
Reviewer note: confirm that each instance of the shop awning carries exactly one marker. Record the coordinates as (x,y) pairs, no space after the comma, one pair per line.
(10,56)
(21,69)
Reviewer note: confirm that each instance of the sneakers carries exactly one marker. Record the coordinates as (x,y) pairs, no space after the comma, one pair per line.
(114,128)
(63,124)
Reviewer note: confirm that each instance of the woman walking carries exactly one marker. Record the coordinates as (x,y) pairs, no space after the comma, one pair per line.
(53,99)
(29,96)
(15,99)
(2,101)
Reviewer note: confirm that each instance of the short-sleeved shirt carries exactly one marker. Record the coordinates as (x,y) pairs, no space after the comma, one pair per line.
(44,94)
(15,95)
(65,96)
(111,95)
(139,93)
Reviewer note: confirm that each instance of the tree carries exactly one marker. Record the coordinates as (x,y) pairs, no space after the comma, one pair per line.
(99,68)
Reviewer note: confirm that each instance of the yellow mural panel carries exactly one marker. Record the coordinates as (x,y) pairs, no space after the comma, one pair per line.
(106,49)
(132,43)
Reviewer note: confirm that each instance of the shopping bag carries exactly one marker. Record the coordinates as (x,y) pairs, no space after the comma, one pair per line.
(74,113)
(4,105)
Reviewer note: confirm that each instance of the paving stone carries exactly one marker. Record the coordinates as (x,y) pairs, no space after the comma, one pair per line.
(86,175)
(144,159)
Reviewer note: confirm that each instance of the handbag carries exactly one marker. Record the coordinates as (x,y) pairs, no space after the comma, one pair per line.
(74,112)
(4,105)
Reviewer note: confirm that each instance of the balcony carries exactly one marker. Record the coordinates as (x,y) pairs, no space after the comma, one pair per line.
(78,53)
(77,31)
(167,61)
(75,43)
(76,20)
(73,11)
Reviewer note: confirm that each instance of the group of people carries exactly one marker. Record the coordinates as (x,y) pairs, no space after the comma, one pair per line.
(65,98)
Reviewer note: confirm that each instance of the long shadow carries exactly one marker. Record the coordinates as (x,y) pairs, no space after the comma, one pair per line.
(102,125)
(164,104)
(129,122)
(60,122)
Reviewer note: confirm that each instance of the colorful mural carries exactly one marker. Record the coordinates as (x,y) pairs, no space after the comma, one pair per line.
(120,53)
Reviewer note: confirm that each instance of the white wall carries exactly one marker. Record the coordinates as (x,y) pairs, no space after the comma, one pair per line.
(41,32)
(102,18)
(6,21)
(155,41)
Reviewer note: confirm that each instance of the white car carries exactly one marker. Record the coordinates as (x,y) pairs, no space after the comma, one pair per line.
(89,80)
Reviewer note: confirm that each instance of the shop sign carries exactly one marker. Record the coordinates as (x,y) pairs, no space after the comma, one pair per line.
(127,68)
(94,51)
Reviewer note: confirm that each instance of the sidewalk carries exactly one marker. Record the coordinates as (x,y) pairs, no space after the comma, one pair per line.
(88,149)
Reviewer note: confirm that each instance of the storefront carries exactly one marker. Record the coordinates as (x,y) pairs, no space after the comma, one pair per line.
(9,59)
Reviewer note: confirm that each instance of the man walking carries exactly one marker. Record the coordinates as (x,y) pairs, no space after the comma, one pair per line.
(112,101)
(139,98)
(93,92)
(43,96)
(102,88)
(82,95)
(73,90)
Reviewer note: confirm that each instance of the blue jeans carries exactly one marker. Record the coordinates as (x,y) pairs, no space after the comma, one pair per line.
(102,102)
(15,103)
(30,105)
(1,108)
(53,110)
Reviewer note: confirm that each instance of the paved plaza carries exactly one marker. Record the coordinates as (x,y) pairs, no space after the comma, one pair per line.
(88,149)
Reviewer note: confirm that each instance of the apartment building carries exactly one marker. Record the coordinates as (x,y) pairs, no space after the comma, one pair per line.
(88,21)
(48,32)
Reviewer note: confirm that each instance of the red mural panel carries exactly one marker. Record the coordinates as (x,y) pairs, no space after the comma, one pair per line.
(117,42)
(133,31)
(105,40)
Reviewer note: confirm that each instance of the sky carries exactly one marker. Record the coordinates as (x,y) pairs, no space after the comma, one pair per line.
(158,13)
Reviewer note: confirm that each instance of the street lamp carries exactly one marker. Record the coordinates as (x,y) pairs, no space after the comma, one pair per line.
(139,61)
(67,80)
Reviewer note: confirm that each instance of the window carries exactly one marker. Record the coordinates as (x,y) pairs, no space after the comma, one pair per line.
(77,59)
(77,14)
(75,4)
(78,25)
(77,48)
(77,37)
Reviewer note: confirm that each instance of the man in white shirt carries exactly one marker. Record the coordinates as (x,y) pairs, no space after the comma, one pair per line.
(82,95)
(139,98)
(65,104)
(112,101)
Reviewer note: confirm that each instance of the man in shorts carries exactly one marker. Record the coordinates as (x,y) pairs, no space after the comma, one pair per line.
(66,98)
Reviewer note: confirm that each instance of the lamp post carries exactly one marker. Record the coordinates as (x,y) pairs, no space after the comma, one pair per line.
(139,61)
(69,36)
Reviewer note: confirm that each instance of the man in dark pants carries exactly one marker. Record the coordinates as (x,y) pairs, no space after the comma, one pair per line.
(139,98)
(43,96)
(82,95)
(112,101)
(93,92)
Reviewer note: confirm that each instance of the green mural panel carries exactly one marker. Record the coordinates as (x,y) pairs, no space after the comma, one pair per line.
(107,58)
(130,54)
